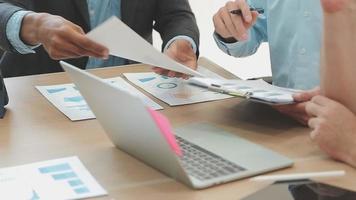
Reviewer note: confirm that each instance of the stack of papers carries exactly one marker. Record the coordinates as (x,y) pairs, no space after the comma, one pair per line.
(70,102)
(175,91)
(255,90)
(65,178)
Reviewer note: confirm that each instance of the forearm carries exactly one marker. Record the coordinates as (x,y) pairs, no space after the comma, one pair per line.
(337,65)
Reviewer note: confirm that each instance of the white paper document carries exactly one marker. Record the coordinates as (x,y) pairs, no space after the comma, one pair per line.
(173,91)
(59,179)
(123,42)
(256,90)
(70,102)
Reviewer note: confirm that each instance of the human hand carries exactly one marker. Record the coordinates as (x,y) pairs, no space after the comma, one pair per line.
(181,51)
(229,25)
(61,38)
(334,128)
(297,111)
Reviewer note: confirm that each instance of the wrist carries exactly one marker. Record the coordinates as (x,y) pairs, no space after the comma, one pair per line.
(30,28)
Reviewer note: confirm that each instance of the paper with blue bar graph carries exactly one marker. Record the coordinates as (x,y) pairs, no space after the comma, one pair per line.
(175,91)
(69,101)
(65,178)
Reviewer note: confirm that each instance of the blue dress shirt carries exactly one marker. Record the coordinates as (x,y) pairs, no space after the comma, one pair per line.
(99,11)
(97,16)
(292,29)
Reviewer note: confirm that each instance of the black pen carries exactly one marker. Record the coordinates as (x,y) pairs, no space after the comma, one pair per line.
(239,12)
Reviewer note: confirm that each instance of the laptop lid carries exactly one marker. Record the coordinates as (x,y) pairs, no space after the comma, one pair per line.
(127,122)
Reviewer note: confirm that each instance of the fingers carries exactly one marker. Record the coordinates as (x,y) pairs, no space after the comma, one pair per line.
(181,51)
(297,112)
(306,96)
(322,100)
(64,40)
(91,48)
(295,108)
(255,15)
(59,48)
(313,109)
(314,122)
(160,71)
(314,134)
(220,27)
(245,9)
(169,73)
(65,51)
(237,21)
(232,25)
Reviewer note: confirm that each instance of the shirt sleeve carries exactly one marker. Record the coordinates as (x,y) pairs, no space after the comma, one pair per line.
(257,35)
(182,37)
(13,28)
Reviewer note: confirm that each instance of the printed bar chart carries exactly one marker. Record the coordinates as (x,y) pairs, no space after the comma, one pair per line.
(64,172)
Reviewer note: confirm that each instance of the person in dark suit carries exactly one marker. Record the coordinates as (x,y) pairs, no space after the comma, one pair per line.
(36,34)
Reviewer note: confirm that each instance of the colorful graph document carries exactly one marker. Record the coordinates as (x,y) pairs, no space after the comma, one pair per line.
(173,91)
(59,179)
(123,42)
(70,102)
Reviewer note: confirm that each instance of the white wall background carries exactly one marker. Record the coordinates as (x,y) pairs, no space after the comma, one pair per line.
(254,66)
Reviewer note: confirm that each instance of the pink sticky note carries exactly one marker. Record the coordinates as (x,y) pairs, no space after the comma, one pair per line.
(166,130)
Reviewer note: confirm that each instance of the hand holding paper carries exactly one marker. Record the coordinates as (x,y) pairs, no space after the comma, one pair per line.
(124,42)
(181,51)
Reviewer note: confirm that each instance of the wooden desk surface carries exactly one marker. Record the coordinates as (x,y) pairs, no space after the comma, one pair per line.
(34,130)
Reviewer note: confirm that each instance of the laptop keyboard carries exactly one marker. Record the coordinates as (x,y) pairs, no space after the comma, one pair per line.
(203,164)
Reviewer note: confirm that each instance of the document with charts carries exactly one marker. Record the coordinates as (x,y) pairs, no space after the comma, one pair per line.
(59,179)
(174,91)
(70,102)
(254,90)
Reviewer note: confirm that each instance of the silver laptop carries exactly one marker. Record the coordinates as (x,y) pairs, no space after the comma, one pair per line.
(210,156)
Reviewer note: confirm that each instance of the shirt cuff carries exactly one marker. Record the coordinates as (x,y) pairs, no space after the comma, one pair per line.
(13,28)
(229,47)
(182,37)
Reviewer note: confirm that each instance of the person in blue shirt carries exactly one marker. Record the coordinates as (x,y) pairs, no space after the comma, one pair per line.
(293,31)
(36,34)
(290,27)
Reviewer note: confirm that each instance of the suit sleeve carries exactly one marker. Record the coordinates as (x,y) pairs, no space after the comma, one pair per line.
(7,9)
(174,18)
